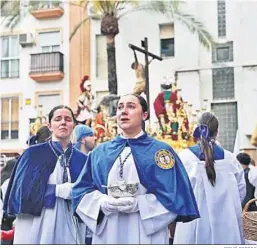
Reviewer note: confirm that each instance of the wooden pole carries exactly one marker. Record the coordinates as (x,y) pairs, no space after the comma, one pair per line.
(147,54)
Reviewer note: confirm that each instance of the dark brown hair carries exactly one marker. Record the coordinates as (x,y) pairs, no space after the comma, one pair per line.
(141,100)
(244,158)
(211,121)
(51,114)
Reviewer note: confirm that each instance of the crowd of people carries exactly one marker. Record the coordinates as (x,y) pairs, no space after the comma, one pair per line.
(66,190)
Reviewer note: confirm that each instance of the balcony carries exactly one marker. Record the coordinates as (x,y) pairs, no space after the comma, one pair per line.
(46,9)
(46,67)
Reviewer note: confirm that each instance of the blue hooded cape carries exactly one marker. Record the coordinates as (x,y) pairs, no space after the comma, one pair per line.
(28,183)
(171,186)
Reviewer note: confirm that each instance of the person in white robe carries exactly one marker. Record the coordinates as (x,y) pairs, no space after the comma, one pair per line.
(132,187)
(252,176)
(39,191)
(218,182)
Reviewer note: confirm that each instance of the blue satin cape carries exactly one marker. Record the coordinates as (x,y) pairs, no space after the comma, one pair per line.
(171,186)
(28,183)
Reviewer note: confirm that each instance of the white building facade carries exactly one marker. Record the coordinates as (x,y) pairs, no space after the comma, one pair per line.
(34,71)
(225,75)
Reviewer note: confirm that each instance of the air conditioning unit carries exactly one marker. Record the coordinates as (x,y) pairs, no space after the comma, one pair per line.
(26,39)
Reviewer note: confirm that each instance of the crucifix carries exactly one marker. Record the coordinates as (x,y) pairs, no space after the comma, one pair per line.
(145,70)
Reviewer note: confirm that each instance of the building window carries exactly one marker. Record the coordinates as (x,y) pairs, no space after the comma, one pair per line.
(221,18)
(167,40)
(223,83)
(227,115)
(222,52)
(9,118)
(50,49)
(101,57)
(46,102)
(10,56)
(50,41)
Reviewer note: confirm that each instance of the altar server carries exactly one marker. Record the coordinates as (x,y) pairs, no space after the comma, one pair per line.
(132,187)
(39,192)
(218,182)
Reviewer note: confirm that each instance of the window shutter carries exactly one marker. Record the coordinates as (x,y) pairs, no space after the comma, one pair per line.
(166,31)
(15,114)
(50,38)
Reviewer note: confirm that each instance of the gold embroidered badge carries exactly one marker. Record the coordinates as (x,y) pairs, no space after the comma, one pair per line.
(164,159)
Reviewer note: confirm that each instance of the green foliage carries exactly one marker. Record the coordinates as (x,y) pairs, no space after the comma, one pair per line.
(11,11)
(77,27)
(35,5)
(171,9)
(118,9)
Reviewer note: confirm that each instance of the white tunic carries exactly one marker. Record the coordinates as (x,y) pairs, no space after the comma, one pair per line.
(220,206)
(3,189)
(147,226)
(252,176)
(53,226)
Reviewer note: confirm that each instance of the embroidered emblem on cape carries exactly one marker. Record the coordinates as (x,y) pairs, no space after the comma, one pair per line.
(164,159)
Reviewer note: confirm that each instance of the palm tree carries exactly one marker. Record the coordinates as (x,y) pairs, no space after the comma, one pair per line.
(109,12)
(12,9)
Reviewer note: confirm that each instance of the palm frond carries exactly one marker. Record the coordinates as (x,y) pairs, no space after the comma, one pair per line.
(98,6)
(172,11)
(113,7)
(3,3)
(77,27)
(14,15)
(197,27)
(146,6)
(86,4)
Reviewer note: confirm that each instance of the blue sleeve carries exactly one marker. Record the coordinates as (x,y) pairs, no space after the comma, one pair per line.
(83,185)
(50,197)
(11,201)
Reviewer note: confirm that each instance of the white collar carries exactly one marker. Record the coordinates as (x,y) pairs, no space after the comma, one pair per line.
(135,137)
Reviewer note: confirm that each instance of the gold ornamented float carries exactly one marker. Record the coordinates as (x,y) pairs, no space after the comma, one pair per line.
(176,119)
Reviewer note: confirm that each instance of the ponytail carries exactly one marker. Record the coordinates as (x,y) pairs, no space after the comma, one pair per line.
(209,160)
(205,136)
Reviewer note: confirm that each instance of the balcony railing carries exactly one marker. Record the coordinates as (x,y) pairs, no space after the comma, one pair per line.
(47,66)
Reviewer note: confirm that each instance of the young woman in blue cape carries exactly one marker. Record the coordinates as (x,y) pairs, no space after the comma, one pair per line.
(39,192)
(132,187)
(219,186)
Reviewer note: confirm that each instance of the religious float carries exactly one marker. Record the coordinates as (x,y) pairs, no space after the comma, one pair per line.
(176,118)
